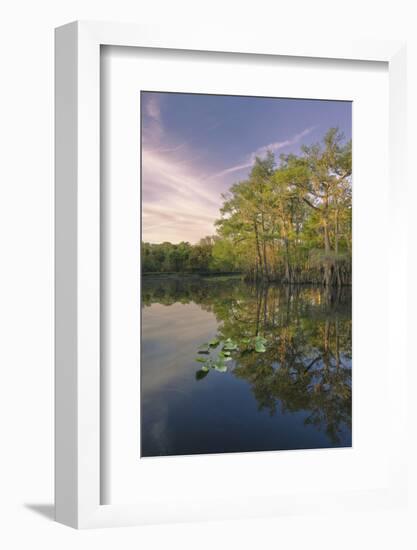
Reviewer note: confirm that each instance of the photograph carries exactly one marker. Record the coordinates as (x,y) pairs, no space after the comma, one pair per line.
(246,274)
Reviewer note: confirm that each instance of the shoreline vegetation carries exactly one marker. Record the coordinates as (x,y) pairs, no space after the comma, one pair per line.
(288,223)
(195,275)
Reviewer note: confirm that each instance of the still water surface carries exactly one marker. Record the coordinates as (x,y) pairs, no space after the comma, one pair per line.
(295,395)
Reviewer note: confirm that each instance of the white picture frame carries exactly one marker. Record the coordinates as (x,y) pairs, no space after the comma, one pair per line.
(78,405)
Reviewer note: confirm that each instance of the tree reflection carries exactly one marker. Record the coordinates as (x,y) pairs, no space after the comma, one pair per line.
(307,363)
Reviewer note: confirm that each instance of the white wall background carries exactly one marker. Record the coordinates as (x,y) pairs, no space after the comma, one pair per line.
(26,269)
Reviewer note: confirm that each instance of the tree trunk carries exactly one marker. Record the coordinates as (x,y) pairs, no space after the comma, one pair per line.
(258,248)
(336,248)
(327,252)
(264,250)
(287,262)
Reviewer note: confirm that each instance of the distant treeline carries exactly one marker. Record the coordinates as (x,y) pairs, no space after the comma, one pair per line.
(184,257)
(289,222)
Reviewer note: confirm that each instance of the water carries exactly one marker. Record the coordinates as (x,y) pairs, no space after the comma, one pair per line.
(295,395)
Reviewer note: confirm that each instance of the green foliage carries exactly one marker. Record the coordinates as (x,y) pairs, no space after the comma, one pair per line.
(260,344)
(226,256)
(229,345)
(220,365)
(279,215)
(210,254)
(225,355)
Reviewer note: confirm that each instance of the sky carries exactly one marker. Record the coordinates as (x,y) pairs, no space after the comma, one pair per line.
(195,146)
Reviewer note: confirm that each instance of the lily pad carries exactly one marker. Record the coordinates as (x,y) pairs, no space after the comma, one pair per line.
(202,373)
(220,367)
(214,343)
(229,345)
(204,348)
(220,364)
(201,359)
(259,347)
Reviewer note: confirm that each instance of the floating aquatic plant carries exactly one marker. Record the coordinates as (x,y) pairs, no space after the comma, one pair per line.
(204,348)
(260,344)
(228,346)
(202,373)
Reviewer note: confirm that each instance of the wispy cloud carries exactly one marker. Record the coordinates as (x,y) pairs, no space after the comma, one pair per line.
(261,152)
(277,145)
(176,205)
(153,107)
(167,149)
(152,127)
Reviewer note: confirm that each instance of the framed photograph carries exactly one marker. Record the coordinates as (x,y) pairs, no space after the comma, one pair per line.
(258,304)
(224,212)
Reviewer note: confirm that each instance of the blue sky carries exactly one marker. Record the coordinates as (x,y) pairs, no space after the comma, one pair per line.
(194,147)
